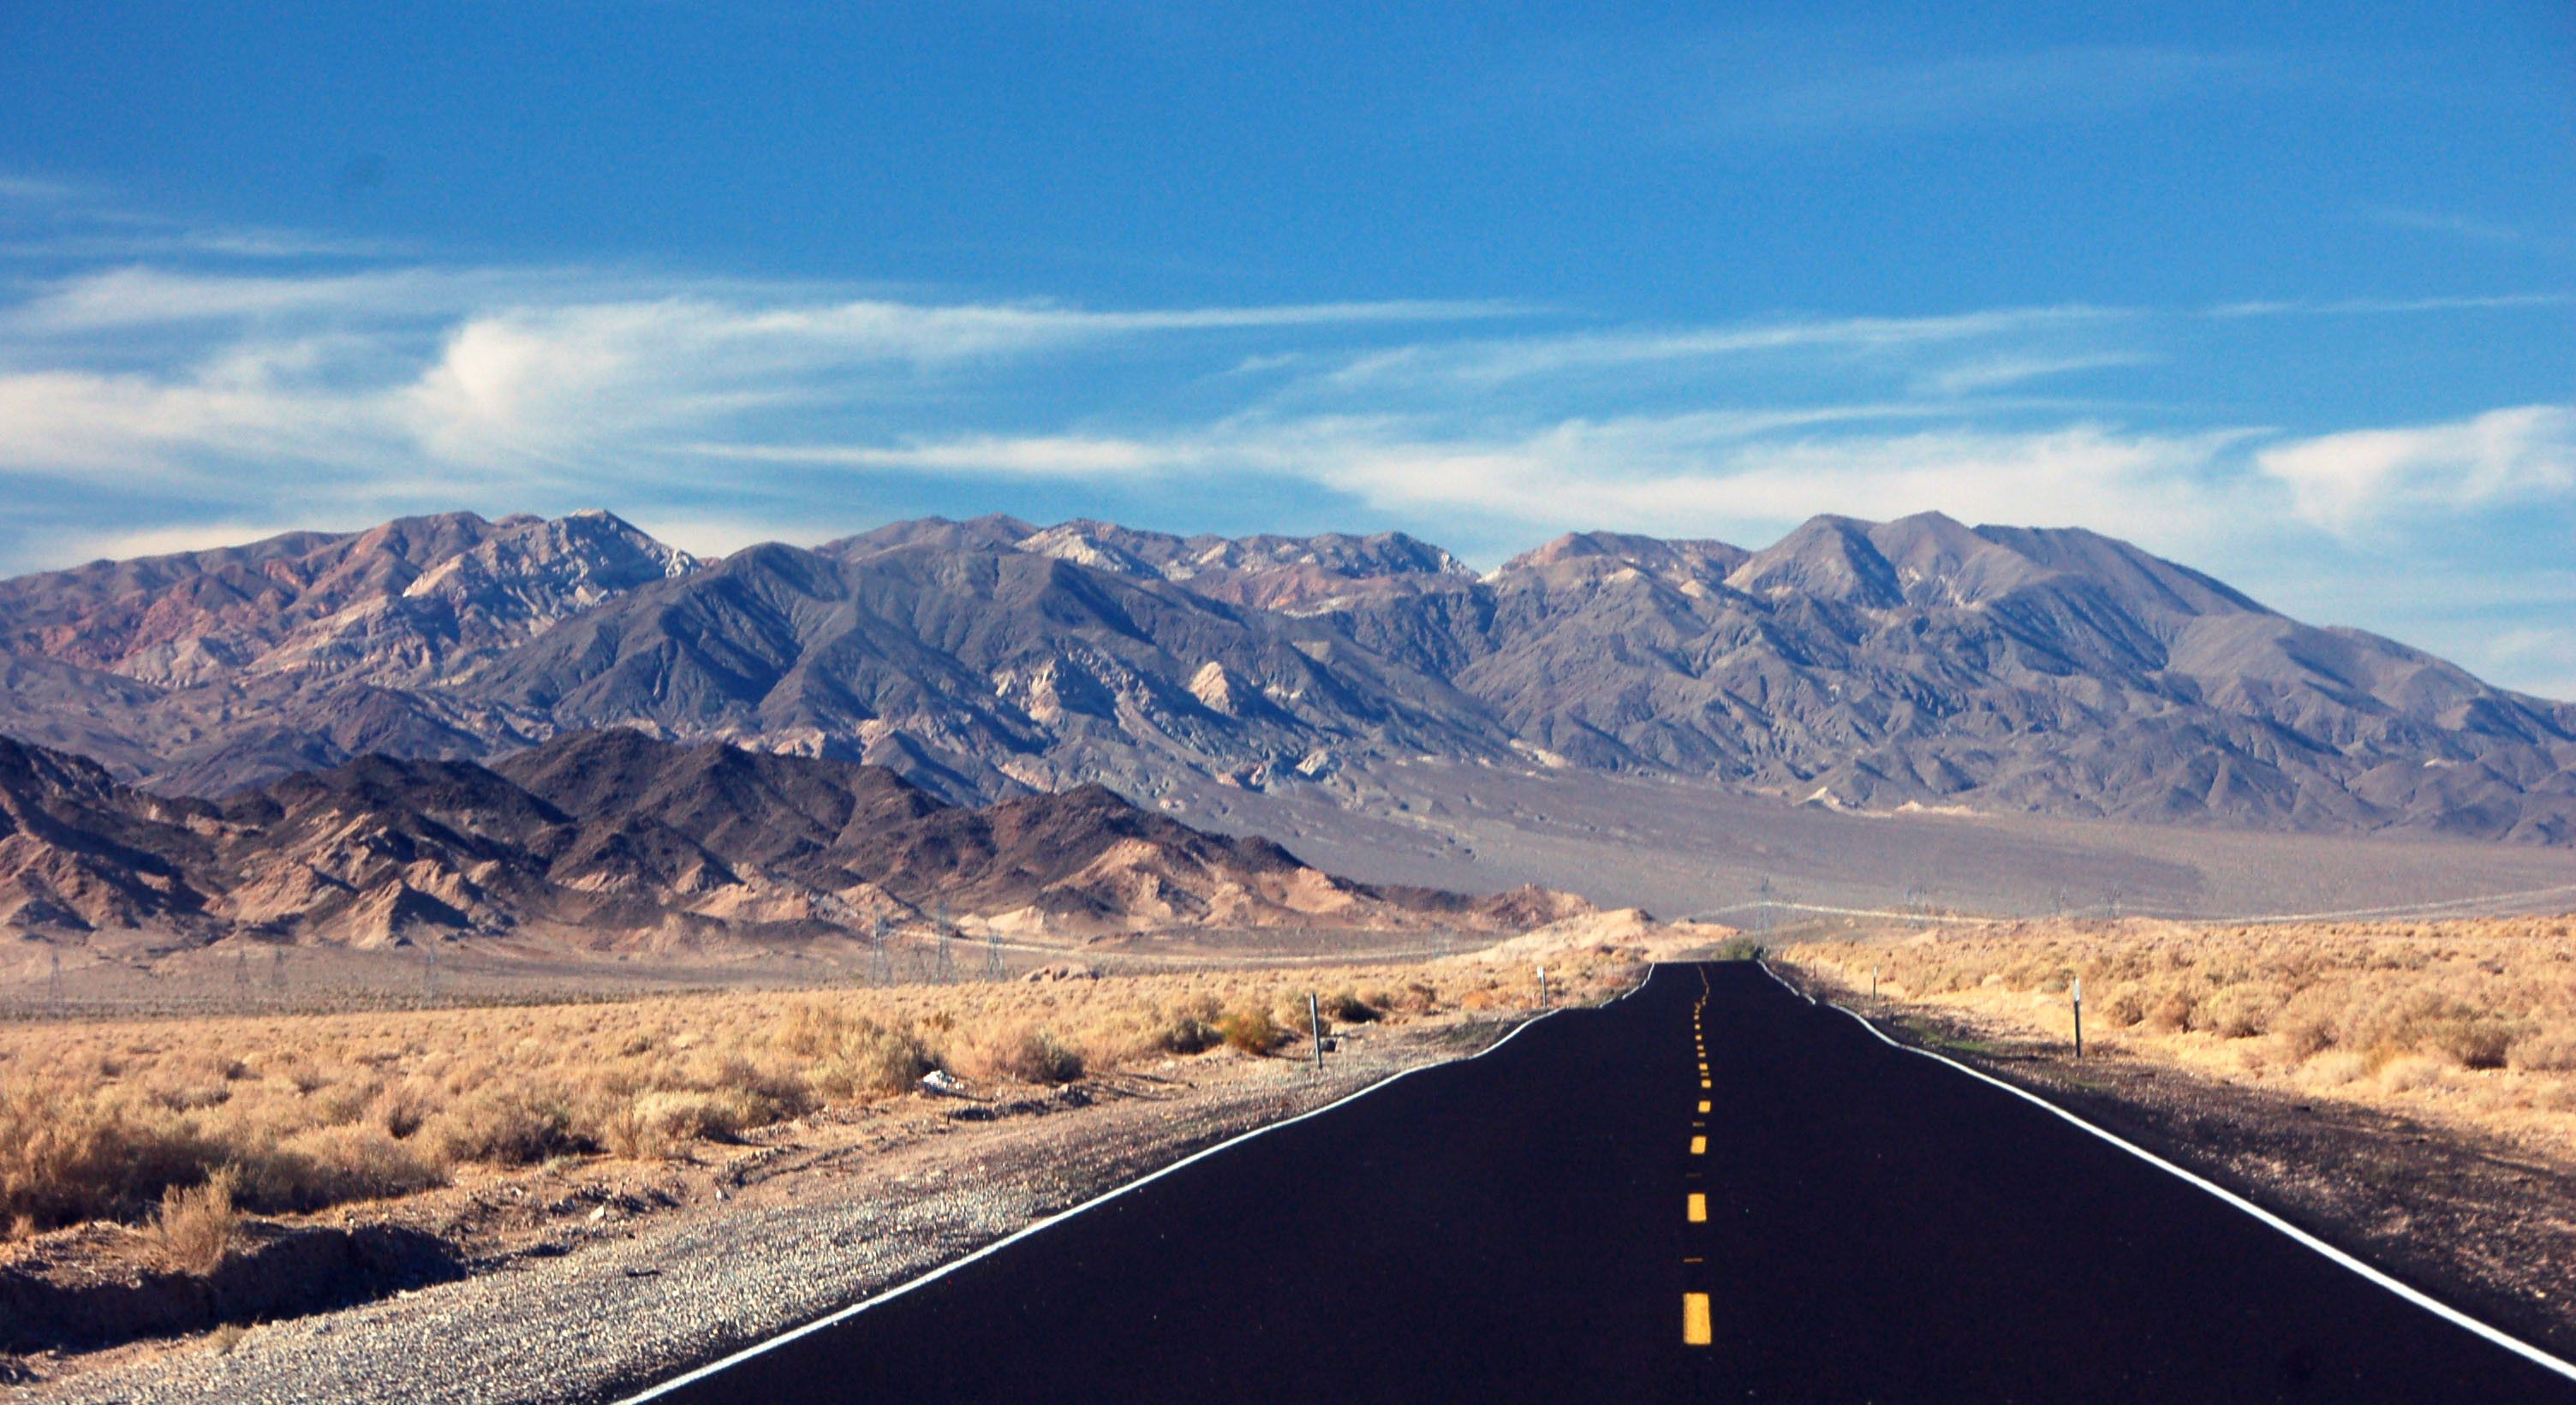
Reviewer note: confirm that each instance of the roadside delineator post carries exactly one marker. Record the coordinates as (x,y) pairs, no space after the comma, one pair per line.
(2079,1017)
(1873,982)
(1542,987)
(1315,1026)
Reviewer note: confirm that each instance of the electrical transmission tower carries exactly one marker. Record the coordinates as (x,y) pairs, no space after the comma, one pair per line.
(54,984)
(880,963)
(429,972)
(993,957)
(944,971)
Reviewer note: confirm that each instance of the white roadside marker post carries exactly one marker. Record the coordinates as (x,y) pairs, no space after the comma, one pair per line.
(2079,1017)
(1873,982)
(1542,987)
(1315,1026)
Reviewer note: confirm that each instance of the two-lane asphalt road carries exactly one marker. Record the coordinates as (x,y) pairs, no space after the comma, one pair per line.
(1711,1190)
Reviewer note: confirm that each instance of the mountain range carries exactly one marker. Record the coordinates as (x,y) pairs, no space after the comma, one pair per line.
(612,840)
(1856,665)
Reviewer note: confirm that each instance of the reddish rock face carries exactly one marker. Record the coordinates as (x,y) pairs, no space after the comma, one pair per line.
(615,838)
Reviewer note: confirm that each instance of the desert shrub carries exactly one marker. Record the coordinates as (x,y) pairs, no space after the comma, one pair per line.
(194,1228)
(659,1123)
(507,1125)
(2239,1011)
(2306,1035)
(67,1158)
(401,1108)
(763,1095)
(1022,1052)
(1349,1008)
(2549,1051)
(2471,1041)
(1190,1026)
(867,1060)
(2172,1010)
(328,1165)
(191,1096)
(1251,1031)
(2411,1073)
(2123,1009)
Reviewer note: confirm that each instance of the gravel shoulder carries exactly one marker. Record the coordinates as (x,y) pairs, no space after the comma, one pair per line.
(593,1279)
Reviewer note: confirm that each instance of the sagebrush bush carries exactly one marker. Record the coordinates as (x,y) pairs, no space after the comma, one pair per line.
(1349,1008)
(1023,1052)
(100,1120)
(2476,1017)
(194,1229)
(1251,1031)
(508,1125)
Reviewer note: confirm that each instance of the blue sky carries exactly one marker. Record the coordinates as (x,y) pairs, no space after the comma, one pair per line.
(2288,296)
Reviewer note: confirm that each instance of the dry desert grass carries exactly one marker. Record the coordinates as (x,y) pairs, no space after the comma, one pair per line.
(2471,1021)
(188,1122)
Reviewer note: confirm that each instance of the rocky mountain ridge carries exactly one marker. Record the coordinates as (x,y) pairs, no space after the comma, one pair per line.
(1859,665)
(611,840)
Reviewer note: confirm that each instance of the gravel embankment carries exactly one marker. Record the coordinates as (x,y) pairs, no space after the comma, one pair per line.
(800,1237)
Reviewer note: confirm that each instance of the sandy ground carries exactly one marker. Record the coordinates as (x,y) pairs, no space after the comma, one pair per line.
(1679,848)
(599,1277)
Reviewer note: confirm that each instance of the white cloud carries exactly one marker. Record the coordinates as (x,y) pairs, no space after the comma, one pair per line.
(1494,361)
(2457,226)
(1677,474)
(2063,82)
(1994,373)
(2347,481)
(2378,307)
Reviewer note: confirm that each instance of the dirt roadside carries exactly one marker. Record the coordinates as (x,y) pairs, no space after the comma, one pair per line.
(2483,1224)
(583,1281)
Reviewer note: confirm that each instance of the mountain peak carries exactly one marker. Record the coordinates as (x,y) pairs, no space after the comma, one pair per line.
(1826,558)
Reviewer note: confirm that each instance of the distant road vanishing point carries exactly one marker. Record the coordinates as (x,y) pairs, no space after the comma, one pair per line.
(1709,1190)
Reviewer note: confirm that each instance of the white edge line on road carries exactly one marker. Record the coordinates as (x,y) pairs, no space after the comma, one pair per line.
(770,1344)
(2438,1308)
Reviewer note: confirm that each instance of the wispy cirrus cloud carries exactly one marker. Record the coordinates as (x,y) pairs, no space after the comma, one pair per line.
(55,220)
(2468,228)
(2055,83)
(1493,361)
(146,405)
(2351,480)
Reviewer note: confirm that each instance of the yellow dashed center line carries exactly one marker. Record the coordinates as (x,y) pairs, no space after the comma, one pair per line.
(1695,1326)
(1699,1146)
(1698,1208)
(1703,1104)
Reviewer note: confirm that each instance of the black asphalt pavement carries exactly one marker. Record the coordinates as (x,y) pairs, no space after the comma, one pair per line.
(1522,1226)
